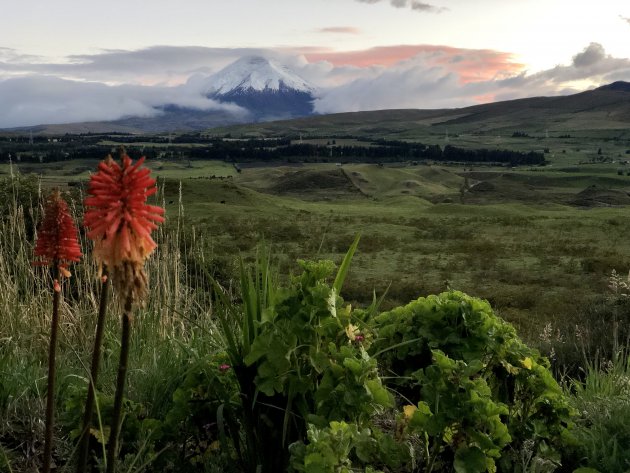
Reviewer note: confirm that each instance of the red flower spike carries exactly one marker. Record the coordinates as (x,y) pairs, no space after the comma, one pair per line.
(57,241)
(118,218)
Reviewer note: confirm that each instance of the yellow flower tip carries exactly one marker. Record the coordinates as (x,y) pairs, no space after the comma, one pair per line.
(64,272)
(57,286)
(409,410)
(352,331)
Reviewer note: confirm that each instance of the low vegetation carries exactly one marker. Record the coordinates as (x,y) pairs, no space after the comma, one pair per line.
(266,345)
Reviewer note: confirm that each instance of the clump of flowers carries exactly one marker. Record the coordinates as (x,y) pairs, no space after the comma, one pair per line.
(57,243)
(57,246)
(120,221)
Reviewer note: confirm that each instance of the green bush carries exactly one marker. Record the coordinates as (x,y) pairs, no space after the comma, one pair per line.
(480,392)
(296,363)
(344,448)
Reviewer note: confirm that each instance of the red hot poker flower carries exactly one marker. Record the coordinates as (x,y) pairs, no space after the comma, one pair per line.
(57,241)
(118,218)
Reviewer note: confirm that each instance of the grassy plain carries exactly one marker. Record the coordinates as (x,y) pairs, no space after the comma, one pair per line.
(538,243)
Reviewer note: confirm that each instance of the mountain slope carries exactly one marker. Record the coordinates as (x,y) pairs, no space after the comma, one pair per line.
(255,73)
(607,107)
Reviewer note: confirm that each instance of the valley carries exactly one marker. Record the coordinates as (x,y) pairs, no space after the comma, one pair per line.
(537,242)
(523,205)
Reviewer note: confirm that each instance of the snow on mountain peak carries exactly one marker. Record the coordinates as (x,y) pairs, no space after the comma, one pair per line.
(256,73)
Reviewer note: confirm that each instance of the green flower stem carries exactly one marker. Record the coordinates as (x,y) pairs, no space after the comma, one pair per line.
(96,359)
(112,445)
(50,391)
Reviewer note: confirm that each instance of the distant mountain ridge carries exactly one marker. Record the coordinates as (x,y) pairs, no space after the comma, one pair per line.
(272,92)
(606,107)
(620,86)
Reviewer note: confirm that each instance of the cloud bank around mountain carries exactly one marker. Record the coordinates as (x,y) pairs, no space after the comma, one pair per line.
(115,84)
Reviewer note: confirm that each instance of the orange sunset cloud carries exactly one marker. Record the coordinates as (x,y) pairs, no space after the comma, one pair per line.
(471,65)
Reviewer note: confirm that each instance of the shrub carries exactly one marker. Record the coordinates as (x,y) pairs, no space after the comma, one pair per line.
(479,393)
(297,360)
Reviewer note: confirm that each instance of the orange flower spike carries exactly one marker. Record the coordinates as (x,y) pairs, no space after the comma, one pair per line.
(118,218)
(57,241)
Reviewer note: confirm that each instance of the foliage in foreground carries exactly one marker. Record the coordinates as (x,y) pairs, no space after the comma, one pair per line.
(480,392)
(603,399)
(465,393)
(293,378)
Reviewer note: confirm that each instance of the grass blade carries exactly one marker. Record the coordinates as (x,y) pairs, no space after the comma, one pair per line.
(345,265)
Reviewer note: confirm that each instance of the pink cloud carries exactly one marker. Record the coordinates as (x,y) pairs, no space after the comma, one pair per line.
(471,65)
(486,98)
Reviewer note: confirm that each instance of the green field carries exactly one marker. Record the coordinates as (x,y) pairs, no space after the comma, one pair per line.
(538,243)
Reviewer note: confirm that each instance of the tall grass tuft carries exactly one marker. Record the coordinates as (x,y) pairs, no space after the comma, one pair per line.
(603,402)
(176,326)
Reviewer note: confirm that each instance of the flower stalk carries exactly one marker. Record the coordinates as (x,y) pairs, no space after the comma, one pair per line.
(50,389)
(84,444)
(57,246)
(112,446)
(120,222)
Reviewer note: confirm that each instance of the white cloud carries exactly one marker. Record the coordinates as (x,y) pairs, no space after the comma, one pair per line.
(156,65)
(35,100)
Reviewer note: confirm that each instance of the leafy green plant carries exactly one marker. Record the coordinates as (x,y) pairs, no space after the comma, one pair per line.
(451,348)
(458,414)
(297,355)
(343,447)
(141,436)
(203,421)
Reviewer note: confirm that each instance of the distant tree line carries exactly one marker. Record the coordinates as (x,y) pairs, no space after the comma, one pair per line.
(378,151)
(283,149)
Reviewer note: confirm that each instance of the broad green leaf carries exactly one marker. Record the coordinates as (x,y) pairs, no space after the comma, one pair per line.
(470,460)
(378,392)
(345,265)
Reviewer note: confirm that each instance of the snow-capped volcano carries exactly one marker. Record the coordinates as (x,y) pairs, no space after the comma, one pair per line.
(256,73)
(267,89)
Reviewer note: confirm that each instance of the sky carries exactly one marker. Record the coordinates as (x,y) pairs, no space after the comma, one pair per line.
(72,60)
